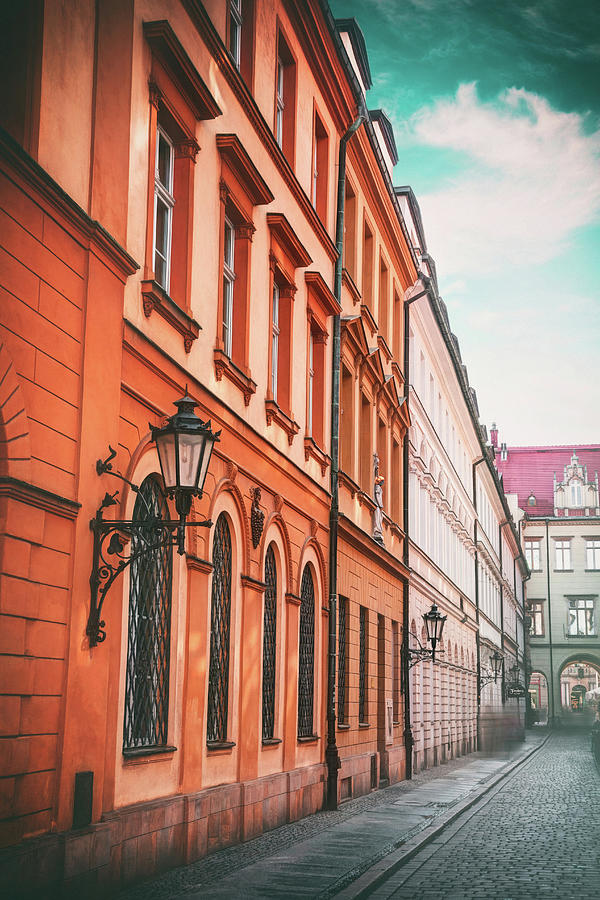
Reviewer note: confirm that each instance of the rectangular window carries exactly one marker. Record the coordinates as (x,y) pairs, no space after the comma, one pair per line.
(581,616)
(396,676)
(275,340)
(592,553)
(563,555)
(311,383)
(364,442)
(367,266)
(228,282)
(395,483)
(532,555)
(397,335)
(362,666)
(285,98)
(347,421)
(164,202)
(350,232)
(383,313)
(342,701)
(320,168)
(536,615)
(235,31)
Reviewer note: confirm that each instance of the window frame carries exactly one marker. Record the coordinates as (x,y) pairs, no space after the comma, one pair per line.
(164,194)
(136,746)
(536,614)
(229,277)
(581,605)
(217,732)
(284,101)
(562,555)
(269,686)
(306,656)
(535,544)
(236,22)
(592,559)
(363,662)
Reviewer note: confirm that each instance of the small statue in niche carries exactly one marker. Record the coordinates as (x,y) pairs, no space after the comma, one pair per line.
(378,496)
(257,518)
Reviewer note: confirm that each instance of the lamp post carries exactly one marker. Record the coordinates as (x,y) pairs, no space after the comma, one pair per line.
(184,445)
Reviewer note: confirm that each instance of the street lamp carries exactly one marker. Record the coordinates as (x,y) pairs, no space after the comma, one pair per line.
(515,688)
(496,660)
(184,445)
(434,626)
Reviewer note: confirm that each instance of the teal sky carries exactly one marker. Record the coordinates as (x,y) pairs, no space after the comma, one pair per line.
(496,112)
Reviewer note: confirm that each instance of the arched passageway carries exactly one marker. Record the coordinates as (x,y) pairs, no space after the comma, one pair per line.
(579,684)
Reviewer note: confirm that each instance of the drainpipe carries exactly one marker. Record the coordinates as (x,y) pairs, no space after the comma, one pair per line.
(408,735)
(551,710)
(331,753)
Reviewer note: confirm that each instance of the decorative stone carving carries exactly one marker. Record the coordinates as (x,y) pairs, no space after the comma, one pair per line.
(232,471)
(378,495)
(278,502)
(257,517)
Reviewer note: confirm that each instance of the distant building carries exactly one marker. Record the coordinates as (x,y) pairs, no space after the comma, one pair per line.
(555,490)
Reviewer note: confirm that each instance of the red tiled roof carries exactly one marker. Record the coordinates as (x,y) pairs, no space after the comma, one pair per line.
(530,470)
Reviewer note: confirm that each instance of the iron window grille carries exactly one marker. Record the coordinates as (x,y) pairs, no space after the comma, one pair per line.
(269,647)
(218,673)
(396,684)
(342,659)
(149,630)
(306,656)
(362,666)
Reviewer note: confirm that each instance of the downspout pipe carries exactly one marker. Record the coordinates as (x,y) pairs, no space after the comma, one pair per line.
(331,753)
(408,735)
(551,711)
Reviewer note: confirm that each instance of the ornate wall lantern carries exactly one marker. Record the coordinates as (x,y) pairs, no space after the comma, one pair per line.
(184,445)
(434,625)
(515,688)
(496,661)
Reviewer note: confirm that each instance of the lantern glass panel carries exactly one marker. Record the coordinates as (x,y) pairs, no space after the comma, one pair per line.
(190,450)
(207,443)
(165,444)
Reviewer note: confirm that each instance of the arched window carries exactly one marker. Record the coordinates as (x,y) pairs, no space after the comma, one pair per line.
(220,620)
(575,494)
(269,647)
(306,656)
(149,631)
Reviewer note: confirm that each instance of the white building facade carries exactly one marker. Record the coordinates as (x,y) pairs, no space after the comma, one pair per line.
(464,553)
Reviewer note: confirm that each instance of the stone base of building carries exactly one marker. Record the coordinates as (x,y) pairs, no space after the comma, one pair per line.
(368,771)
(429,757)
(145,839)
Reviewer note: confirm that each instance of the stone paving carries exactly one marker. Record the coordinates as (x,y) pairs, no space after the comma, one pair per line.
(321,855)
(537,834)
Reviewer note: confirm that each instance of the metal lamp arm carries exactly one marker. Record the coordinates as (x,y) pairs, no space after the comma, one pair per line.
(110,558)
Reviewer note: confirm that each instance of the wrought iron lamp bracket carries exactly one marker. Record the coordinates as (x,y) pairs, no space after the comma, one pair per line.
(112,555)
(420,653)
(487,679)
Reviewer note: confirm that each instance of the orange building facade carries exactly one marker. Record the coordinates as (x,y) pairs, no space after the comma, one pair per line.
(169,225)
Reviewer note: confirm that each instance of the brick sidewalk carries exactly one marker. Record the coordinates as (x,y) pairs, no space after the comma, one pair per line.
(318,856)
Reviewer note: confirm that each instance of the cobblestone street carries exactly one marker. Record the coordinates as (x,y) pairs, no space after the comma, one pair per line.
(535,835)
(499,828)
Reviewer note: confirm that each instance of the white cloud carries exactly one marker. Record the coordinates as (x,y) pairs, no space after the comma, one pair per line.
(532,178)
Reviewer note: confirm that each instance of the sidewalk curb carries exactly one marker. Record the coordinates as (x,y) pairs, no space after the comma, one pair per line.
(361,887)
